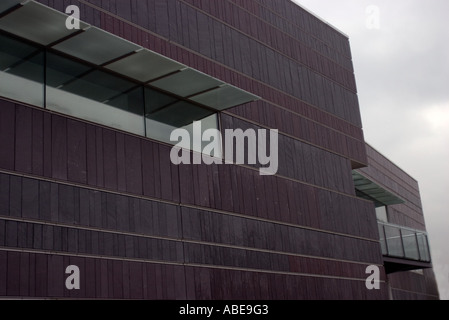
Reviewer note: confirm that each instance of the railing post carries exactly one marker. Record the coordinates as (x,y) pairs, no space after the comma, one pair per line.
(428,248)
(402,243)
(419,250)
(385,239)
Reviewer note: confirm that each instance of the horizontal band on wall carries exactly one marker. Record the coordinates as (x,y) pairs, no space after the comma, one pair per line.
(63,254)
(178,240)
(414,293)
(248,121)
(43,275)
(207,209)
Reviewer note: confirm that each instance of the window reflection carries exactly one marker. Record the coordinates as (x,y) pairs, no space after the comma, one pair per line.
(82,91)
(21,71)
(381,213)
(164,114)
(49,79)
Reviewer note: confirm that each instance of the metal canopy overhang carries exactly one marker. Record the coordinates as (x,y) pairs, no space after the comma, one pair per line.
(43,25)
(374,191)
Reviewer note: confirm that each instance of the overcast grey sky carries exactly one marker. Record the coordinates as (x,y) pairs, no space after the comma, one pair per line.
(402,73)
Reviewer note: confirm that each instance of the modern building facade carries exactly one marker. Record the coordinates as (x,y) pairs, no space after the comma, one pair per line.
(86,177)
(402,230)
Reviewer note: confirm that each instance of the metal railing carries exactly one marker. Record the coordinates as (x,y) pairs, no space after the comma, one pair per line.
(401,242)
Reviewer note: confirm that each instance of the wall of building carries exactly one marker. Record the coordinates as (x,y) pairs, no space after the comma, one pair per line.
(112,203)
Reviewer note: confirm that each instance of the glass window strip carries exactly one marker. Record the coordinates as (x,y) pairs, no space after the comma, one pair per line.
(58,72)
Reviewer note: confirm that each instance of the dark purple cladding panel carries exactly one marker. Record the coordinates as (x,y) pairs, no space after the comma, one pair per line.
(87,178)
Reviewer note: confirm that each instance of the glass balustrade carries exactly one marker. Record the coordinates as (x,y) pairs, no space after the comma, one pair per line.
(401,242)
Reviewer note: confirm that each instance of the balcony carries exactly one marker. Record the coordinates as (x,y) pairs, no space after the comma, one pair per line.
(403,248)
